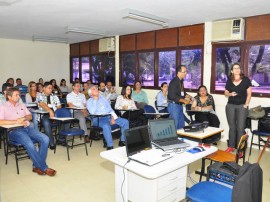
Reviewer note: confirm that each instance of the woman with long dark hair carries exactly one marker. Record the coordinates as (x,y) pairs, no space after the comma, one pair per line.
(125,102)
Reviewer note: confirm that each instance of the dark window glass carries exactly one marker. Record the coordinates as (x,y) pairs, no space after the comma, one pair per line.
(85,69)
(166,66)
(192,59)
(109,69)
(146,68)
(259,68)
(75,68)
(128,68)
(225,57)
(97,68)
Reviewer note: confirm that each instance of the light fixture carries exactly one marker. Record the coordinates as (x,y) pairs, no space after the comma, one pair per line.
(82,30)
(49,39)
(145,17)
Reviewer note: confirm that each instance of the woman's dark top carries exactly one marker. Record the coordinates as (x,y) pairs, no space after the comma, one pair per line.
(240,89)
(208,102)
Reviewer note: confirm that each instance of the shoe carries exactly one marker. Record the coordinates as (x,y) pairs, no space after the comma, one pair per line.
(229,149)
(87,139)
(38,171)
(50,172)
(109,148)
(121,144)
(52,147)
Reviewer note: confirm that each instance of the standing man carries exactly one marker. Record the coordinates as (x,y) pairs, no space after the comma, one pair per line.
(12,112)
(177,97)
(97,104)
(77,100)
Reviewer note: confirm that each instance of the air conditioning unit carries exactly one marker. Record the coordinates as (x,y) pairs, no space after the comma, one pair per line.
(106,44)
(228,30)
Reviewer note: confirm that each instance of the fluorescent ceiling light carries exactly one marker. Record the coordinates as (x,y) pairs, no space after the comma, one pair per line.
(83,31)
(145,17)
(49,39)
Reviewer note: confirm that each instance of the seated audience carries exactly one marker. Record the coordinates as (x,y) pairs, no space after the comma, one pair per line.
(106,93)
(162,99)
(124,101)
(32,97)
(40,80)
(11,81)
(89,83)
(63,87)
(50,103)
(85,90)
(139,95)
(205,102)
(55,88)
(12,112)
(77,99)
(97,104)
(110,91)
(40,87)
(19,84)
(3,96)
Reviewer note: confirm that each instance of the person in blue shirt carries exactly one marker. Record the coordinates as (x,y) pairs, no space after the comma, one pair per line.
(97,104)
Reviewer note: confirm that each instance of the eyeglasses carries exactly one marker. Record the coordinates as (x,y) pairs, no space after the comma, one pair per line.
(184,72)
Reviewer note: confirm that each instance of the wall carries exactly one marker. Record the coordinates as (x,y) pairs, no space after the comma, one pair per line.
(32,60)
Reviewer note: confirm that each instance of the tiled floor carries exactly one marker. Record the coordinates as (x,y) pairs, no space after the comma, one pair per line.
(83,178)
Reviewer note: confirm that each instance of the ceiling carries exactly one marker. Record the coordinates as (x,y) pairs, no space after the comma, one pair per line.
(21,19)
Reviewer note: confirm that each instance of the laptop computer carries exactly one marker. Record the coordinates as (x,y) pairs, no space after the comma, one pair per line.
(164,136)
(139,148)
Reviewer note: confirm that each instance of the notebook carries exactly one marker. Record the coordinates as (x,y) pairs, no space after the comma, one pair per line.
(139,148)
(164,136)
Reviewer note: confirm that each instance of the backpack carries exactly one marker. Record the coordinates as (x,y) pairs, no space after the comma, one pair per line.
(264,122)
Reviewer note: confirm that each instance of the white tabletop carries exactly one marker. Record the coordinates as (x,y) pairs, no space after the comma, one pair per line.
(11,126)
(76,108)
(207,132)
(157,113)
(119,157)
(62,118)
(38,111)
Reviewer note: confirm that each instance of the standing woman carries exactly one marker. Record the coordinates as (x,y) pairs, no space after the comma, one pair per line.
(238,91)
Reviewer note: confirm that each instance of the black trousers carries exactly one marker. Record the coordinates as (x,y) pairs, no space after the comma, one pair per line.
(211,118)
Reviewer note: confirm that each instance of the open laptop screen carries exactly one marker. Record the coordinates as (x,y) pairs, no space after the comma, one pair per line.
(137,139)
(162,129)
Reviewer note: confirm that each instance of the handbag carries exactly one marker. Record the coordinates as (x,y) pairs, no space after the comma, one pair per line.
(256,112)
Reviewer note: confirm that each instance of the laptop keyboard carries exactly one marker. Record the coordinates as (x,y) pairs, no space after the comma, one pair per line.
(172,142)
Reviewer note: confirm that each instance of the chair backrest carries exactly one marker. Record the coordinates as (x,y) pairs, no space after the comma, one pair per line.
(149,109)
(242,146)
(62,113)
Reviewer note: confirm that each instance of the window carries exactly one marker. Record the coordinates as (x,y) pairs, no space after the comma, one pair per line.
(85,75)
(166,66)
(75,68)
(192,59)
(128,68)
(224,56)
(259,67)
(146,68)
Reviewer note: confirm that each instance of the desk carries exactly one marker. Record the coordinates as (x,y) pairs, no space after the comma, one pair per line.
(201,136)
(75,108)
(40,112)
(165,181)
(7,128)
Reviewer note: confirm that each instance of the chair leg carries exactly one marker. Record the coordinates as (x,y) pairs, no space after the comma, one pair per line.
(85,147)
(259,141)
(267,143)
(202,169)
(67,147)
(7,155)
(91,142)
(16,158)
(72,142)
(251,144)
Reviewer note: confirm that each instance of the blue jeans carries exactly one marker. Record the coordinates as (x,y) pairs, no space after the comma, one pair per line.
(47,128)
(34,120)
(104,123)
(25,136)
(176,112)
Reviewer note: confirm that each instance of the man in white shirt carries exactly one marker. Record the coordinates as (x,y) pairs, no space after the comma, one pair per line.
(109,94)
(76,99)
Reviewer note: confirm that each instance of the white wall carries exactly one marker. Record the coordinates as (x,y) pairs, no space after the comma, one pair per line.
(32,60)
(220,100)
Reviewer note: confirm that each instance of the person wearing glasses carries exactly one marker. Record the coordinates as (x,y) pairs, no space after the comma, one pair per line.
(177,97)
(238,90)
